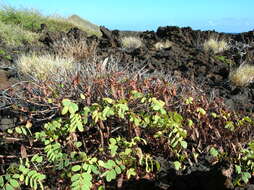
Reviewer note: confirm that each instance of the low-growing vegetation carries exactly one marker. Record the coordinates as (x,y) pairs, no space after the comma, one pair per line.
(14,35)
(44,67)
(98,124)
(19,25)
(225,60)
(31,20)
(243,75)
(163,45)
(215,45)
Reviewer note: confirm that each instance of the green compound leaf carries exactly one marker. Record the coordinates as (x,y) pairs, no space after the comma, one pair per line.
(1,181)
(14,183)
(76,168)
(75,177)
(81,181)
(16,176)
(184,144)
(238,169)
(73,108)
(201,111)
(214,152)
(108,100)
(9,187)
(131,172)
(64,110)
(101,188)
(69,106)
(110,175)
(112,141)
(18,130)
(245,177)
(177,165)
(118,170)
(87,177)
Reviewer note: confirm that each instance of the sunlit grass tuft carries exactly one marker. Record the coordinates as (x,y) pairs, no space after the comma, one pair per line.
(243,75)
(163,45)
(45,67)
(215,46)
(131,42)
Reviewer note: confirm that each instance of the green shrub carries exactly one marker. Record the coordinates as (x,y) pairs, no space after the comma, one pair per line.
(27,19)
(14,35)
(31,20)
(103,122)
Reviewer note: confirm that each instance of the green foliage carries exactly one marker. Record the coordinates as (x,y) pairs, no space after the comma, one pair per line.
(242,176)
(21,174)
(125,157)
(31,177)
(246,164)
(112,169)
(4,54)
(81,181)
(31,20)
(69,106)
(201,111)
(8,182)
(225,60)
(177,165)
(214,152)
(113,147)
(15,35)
(84,147)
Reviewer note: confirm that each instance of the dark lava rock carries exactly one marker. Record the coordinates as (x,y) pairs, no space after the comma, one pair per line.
(76,34)
(4,81)
(49,38)
(109,38)
(7,123)
(211,179)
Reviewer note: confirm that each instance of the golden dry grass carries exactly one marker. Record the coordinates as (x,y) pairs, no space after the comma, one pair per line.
(131,42)
(163,45)
(44,67)
(243,75)
(216,46)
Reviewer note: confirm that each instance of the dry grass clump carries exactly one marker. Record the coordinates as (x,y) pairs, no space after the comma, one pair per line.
(216,46)
(77,49)
(45,67)
(163,45)
(14,35)
(131,42)
(243,75)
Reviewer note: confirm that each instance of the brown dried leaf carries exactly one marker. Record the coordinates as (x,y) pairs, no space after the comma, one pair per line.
(23,151)
(137,131)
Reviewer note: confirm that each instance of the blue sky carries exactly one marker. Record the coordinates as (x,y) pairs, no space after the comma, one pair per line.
(220,15)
